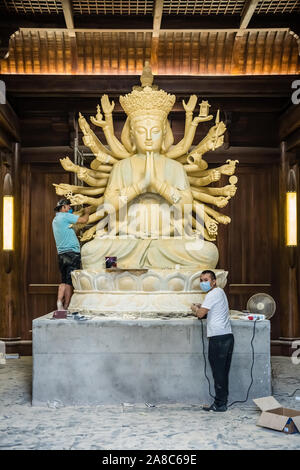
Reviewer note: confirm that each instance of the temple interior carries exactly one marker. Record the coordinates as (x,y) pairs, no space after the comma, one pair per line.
(58,58)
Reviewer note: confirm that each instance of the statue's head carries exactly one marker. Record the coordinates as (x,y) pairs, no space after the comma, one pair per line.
(147,133)
(147,124)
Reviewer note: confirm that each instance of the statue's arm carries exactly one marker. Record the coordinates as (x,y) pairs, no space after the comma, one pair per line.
(119,197)
(220,201)
(91,140)
(79,199)
(65,189)
(228,190)
(190,129)
(218,216)
(213,176)
(227,169)
(85,174)
(213,139)
(117,148)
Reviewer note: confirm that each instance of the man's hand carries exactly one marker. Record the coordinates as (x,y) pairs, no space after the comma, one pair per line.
(198,311)
(195,307)
(88,210)
(84,218)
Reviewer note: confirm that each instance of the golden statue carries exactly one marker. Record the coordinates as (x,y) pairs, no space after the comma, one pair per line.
(151,200)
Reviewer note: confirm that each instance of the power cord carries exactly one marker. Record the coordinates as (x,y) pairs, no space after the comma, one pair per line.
(251,371)
(286,395)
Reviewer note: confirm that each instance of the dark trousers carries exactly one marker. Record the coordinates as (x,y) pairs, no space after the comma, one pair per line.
(219,355)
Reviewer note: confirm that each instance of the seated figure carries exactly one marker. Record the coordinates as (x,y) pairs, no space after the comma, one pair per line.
(153,207)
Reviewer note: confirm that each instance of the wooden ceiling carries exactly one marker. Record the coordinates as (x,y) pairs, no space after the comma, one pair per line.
(181,37)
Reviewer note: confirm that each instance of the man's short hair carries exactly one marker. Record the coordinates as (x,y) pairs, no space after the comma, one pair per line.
(211,273)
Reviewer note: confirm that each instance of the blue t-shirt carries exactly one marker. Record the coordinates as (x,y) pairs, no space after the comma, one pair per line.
(65,237)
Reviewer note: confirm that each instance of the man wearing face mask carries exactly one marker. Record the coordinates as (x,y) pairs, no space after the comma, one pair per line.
(220,337)
(68,248)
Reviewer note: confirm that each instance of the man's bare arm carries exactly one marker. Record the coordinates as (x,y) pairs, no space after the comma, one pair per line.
(199,311)
(85,217)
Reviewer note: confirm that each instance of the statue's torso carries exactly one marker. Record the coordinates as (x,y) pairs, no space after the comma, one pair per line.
(149,215)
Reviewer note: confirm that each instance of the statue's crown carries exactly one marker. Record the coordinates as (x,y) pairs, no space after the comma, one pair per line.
(147,98)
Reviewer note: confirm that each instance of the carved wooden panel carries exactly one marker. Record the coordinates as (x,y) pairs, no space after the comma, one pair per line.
(180,53)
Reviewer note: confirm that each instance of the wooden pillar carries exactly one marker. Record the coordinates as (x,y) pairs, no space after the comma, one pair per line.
(288,275)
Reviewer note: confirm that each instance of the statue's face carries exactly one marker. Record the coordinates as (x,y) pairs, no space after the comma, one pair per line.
(148,134)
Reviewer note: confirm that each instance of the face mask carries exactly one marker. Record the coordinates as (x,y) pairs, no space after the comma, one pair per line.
(70,211)
(205,286)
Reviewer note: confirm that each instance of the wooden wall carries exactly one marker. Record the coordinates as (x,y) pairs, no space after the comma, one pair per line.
(39,256)
(248,246)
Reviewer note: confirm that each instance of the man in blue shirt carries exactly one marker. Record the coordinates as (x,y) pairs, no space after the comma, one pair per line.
(68,248)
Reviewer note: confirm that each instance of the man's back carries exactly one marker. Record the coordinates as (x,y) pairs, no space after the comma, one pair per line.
(65,237)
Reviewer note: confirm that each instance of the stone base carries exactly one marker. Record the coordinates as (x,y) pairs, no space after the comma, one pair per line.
(110,360)
(137,292)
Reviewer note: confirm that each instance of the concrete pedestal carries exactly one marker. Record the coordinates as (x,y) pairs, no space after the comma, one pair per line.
(112,360)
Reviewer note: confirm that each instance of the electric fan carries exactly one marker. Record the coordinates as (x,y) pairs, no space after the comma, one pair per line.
(262,304)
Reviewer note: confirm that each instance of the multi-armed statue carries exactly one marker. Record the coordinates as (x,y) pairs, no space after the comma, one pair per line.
(156,193)
(151,200)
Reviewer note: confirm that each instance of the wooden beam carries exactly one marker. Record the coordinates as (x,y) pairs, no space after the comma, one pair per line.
(157,16)
(68,13)
(247,13)
(150,30)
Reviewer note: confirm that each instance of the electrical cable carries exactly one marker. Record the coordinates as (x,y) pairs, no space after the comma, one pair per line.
(251,371)
(286,395)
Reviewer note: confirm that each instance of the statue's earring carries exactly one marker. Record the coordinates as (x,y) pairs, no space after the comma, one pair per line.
(133,146)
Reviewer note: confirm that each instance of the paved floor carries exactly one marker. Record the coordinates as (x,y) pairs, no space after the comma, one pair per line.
(166,427)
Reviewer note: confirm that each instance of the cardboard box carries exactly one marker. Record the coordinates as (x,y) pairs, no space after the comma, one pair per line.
(275,416)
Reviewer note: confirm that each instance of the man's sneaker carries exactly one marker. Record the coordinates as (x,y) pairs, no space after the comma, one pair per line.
(214,407)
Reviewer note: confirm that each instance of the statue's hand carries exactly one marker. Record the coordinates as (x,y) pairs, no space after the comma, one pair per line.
(215,175)
(106,105)
(190,106)
(82,173)
(223,219)
(67,164)
(217,130)
(98,120)
(229,190)
(87,140)
(59,189)
(78,199)
(221,201)
(145,182)
(198,119)
(229,168)
(84,126)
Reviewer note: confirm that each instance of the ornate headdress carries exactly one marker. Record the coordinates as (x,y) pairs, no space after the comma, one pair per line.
(147,98)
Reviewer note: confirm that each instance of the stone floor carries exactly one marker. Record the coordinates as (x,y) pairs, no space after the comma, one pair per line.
(140,426)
